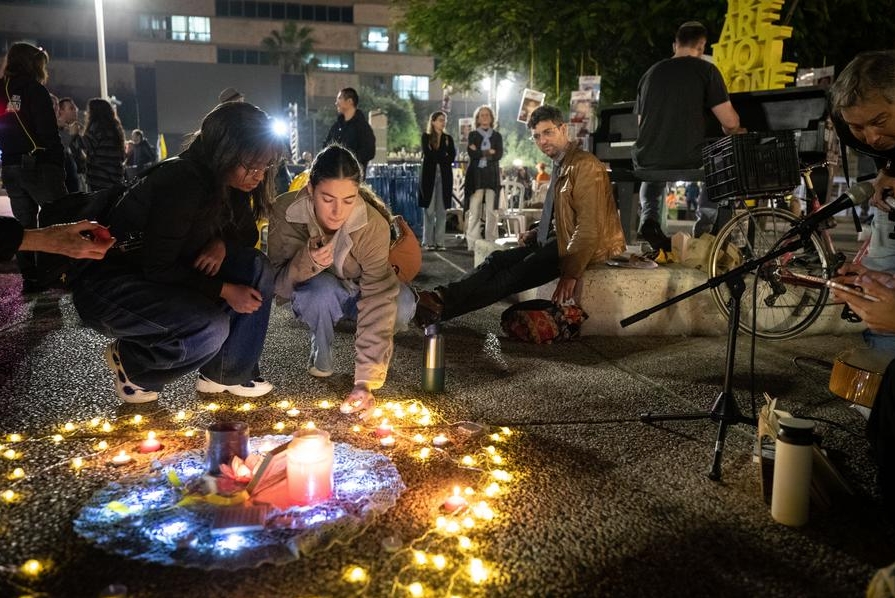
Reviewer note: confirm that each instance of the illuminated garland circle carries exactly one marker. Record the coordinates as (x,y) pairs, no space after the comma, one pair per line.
(147,517)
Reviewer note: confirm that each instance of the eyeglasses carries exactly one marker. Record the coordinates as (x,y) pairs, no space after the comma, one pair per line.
(256,171)
(546,134)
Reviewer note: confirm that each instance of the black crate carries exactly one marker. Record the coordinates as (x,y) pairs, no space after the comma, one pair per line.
(751,164)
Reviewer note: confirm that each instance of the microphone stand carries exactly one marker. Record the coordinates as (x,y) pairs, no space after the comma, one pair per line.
(724,411)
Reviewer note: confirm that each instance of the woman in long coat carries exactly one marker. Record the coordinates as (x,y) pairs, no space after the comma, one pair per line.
(437,180)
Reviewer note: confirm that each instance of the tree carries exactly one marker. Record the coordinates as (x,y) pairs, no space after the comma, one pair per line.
(619,39)
(293,50)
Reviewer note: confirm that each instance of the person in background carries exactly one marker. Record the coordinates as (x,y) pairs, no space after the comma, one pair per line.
(351,129)
(482,187)
(672,99)
(195,294)
(587,231)
(32,154)
(66,115)
(691,193)
(140,154)
(436,180)
(104,146)
(230,94)
(329,245)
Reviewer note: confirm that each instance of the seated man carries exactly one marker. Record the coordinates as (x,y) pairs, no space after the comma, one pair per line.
(587,231)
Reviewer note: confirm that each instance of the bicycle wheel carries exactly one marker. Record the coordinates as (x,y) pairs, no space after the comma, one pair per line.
(782,310)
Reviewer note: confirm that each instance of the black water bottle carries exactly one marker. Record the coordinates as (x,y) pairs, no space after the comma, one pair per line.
(433,366)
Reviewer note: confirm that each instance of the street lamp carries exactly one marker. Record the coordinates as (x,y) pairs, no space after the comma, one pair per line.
(101,49)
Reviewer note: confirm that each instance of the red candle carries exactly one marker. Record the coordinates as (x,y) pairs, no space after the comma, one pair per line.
(455,502)
(384,429)
(151,444)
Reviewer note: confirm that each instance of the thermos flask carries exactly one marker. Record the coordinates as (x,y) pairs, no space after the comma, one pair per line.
(433,366)
(791,496)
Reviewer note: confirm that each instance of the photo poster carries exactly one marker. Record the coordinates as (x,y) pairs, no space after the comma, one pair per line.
(531,99)
(466,125)
(590,83)
(581,117)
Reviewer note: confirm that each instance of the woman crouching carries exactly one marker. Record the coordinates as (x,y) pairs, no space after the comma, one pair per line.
(329,245)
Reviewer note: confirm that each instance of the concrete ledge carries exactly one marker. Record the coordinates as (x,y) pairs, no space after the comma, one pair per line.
(609,295)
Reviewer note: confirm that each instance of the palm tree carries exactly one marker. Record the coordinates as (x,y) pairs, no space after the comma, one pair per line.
(293,49)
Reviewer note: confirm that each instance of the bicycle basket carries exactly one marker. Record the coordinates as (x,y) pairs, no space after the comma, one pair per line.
(751,164)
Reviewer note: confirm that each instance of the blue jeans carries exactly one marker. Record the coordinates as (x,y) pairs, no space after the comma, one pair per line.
(165,331)
(652,194)
(29,189)
(502,273)
(324,300)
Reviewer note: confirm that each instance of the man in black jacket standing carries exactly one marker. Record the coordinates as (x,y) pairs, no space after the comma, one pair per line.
(351,128)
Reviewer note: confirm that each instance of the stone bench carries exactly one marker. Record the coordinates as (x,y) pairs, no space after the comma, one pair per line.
(610,294)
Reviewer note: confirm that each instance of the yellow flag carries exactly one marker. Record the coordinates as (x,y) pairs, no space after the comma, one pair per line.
(162,148)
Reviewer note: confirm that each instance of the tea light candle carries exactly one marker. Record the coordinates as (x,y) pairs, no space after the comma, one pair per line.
(309,467)
(384,429)
(440,440)
(122,458)
(455,502)
(151,444)
(387,441)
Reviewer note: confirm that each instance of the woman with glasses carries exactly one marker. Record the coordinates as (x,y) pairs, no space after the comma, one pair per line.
(329,244)
(482,187)
(185,289)
(32,153)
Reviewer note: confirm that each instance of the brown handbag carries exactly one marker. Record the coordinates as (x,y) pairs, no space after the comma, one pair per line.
(404,254)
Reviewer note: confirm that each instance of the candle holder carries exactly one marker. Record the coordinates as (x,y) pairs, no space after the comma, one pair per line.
(309,468)
(223,441)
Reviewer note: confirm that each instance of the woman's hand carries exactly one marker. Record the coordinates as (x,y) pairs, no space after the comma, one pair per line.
(211,257)
(241,298)
(472,147)
(359,399)
(321,252)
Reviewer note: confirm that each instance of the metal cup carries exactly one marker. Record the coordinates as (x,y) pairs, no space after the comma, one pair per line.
(223,441)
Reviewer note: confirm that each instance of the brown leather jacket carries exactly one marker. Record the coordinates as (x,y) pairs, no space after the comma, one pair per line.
(588,228)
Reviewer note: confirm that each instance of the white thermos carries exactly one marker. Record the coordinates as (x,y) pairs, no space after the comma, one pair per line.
(791,496)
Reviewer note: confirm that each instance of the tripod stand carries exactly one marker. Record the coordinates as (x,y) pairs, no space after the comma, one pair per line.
(724,411)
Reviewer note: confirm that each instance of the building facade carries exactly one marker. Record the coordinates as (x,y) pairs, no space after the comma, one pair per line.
(167,60)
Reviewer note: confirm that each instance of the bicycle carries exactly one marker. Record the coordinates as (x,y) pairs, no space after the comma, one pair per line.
(783,306)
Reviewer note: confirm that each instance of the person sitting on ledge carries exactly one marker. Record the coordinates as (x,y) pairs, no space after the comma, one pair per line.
(587,231)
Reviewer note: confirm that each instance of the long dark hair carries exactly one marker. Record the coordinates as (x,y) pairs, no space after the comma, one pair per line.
(337,162)
(237,134)
(102,121)
(434,136)
(25,60)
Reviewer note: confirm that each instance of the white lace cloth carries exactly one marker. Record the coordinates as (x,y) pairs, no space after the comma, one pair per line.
(139,516)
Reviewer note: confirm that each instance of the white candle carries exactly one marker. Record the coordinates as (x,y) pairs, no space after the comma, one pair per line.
(387,441)
(455,502)
(151,444)
(440,440)
(122,458)
(309,467)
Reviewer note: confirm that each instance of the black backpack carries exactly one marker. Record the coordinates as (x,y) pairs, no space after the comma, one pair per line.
(96,206)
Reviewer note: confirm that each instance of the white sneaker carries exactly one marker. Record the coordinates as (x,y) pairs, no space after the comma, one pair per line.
(318,373)
(253,388)
(127,390)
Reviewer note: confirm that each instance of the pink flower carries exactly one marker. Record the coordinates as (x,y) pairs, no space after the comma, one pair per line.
(239,470)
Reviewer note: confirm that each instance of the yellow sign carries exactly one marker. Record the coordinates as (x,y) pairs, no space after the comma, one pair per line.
(749,53)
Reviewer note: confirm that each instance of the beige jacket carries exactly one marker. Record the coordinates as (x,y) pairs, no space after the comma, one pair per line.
(588,228)
(360,257)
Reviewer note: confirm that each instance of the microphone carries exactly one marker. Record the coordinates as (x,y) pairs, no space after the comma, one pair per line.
(855,196)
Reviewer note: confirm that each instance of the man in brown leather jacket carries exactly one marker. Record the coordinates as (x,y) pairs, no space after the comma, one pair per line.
(579,226)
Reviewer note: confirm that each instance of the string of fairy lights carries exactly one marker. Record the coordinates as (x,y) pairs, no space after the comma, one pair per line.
(445,560)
